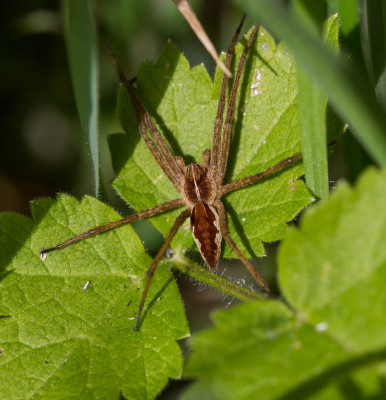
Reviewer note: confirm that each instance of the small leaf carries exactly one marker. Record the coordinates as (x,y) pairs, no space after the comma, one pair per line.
(332,272)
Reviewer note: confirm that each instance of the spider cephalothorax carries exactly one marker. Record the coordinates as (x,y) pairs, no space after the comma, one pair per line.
(199,185)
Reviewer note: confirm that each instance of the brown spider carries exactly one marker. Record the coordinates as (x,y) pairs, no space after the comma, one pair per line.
(200,184)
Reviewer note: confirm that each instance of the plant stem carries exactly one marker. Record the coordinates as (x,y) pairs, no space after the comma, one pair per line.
(220,283)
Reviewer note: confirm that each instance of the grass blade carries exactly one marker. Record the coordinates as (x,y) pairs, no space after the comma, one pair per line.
(312,115)
(312,106)
(82,55)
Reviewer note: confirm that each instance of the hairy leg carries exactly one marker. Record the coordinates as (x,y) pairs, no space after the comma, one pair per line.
(216,146)
(162,154)
(222,162)
(177,223)
(110,225)
(226,235)
(250,180)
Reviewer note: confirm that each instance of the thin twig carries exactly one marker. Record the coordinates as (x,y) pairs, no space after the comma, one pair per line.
(188,13)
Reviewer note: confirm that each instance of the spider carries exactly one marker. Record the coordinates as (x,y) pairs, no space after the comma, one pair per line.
(200,184)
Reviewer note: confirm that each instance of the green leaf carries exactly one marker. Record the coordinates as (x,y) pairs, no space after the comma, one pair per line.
(82,54)
(61,337)
(331,336)
(183,102)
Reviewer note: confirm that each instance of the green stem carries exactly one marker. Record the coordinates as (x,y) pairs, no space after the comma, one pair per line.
(202,274)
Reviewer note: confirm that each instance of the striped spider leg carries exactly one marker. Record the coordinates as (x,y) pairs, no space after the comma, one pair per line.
(200,184)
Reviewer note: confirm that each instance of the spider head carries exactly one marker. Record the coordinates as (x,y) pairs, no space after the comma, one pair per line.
(199,184)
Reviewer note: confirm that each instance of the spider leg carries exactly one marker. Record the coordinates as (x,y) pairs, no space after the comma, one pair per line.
(225,232)
(206,156)
(222,162)
(249,180)
(110,225)
(162,153)
(177,223)
(216,146)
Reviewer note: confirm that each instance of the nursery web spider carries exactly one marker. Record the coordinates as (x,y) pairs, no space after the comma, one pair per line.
(200,184)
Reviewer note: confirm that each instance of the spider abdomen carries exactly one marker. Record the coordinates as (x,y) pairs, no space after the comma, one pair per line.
(206,232)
